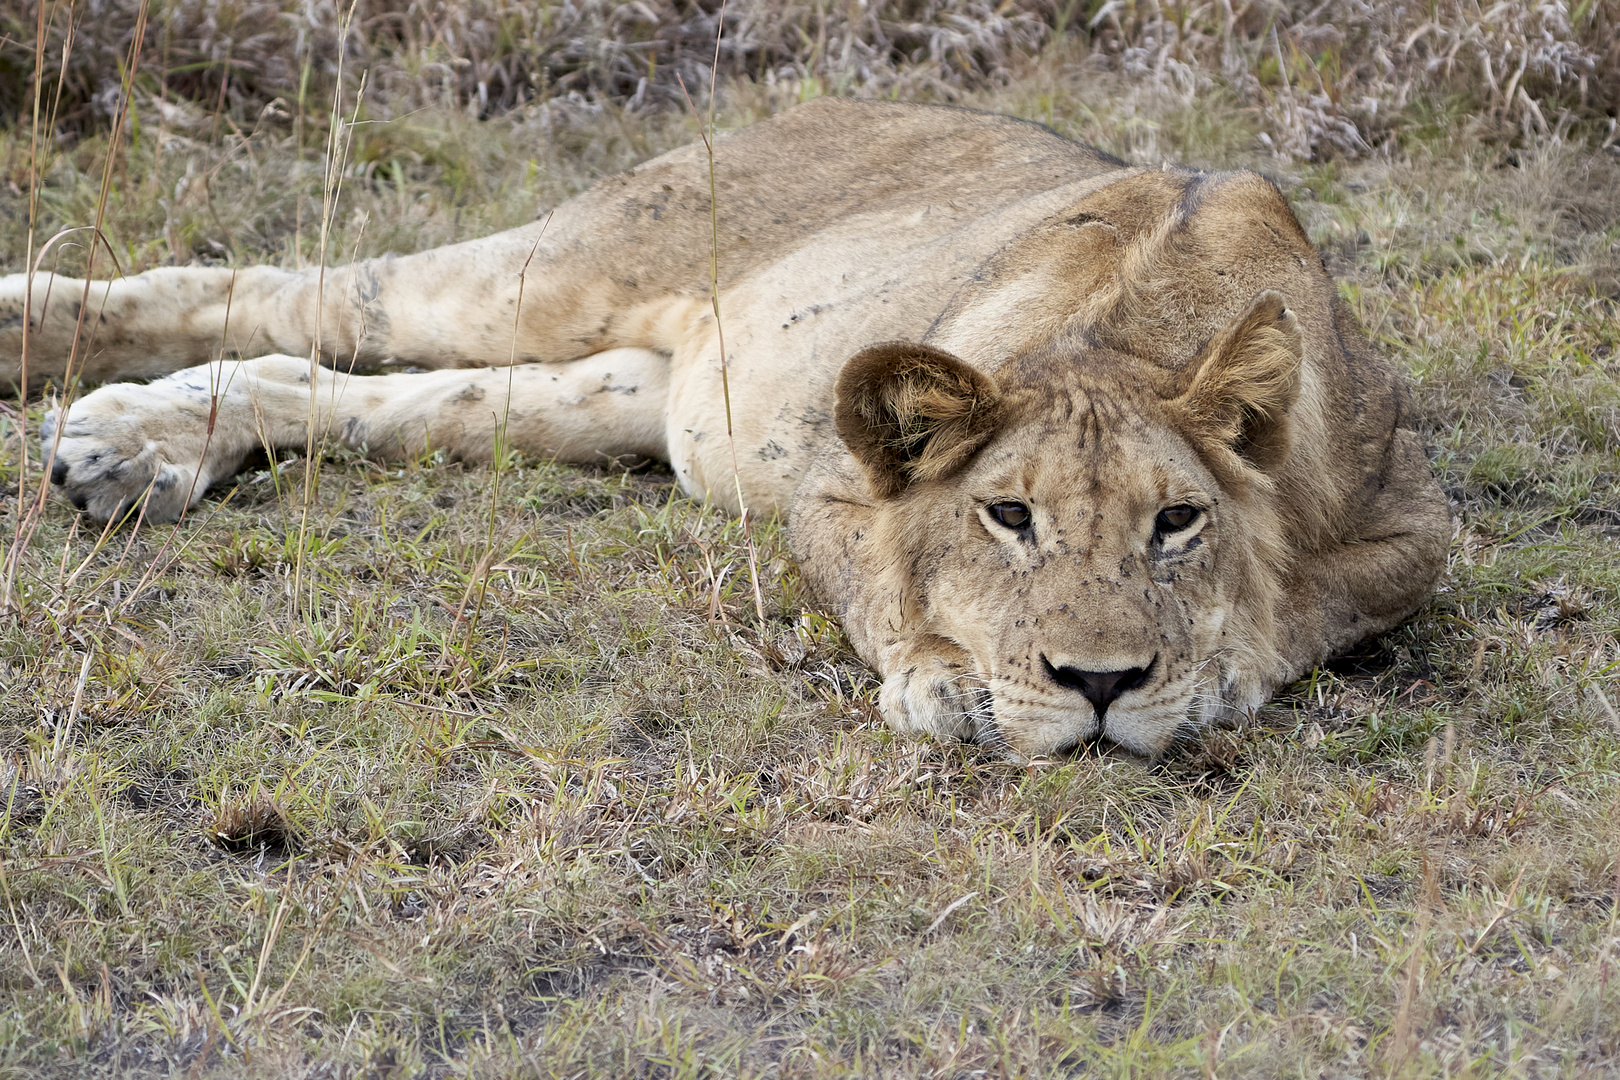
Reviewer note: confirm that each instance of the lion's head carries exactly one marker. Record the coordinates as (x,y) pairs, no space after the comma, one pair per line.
(1096,535)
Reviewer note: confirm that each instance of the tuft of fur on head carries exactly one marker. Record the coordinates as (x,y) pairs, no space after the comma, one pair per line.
(912,414)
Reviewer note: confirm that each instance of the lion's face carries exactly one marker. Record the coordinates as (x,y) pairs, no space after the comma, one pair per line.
(1103,553)
(1081,561)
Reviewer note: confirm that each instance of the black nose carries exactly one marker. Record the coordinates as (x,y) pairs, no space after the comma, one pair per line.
(1102,688)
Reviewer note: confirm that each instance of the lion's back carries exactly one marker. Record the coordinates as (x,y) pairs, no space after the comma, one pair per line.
(783,183)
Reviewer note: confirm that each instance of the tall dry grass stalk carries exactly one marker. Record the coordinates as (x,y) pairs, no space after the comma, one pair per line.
(338,143)
(719,326)
(28,512)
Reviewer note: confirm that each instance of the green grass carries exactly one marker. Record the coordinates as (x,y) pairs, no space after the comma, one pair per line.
(489,773)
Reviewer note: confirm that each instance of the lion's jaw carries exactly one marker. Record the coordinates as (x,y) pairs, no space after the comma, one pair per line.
(1091,625)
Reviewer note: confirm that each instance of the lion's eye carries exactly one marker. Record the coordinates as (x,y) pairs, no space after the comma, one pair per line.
(1014,515)
(1174,519)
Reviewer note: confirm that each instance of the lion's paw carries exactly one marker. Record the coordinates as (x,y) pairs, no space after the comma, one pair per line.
(935,696)
(127,449)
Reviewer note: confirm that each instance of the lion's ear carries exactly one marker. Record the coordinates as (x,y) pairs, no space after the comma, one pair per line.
(912,413)
(1246,382)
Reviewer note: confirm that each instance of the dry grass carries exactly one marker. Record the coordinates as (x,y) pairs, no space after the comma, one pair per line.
(548,799)
(1329,79)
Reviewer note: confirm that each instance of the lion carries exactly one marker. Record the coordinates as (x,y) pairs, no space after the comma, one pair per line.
(1082,454)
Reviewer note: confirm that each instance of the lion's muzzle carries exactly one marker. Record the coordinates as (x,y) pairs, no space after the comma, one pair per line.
(1101,688)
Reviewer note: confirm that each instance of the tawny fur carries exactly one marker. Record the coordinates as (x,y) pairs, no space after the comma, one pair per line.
(1096,343)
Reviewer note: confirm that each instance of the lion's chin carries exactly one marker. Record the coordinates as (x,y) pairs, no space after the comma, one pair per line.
(1031,734)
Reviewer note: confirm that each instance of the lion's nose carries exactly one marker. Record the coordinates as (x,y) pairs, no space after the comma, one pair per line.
(1102,688)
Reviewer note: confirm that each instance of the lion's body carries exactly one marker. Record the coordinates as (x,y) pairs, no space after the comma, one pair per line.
(1089,296)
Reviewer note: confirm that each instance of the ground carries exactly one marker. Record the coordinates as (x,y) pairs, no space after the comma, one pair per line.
(432,770)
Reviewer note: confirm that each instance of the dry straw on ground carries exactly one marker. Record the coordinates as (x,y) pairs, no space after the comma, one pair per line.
(1330,78)
(458,776)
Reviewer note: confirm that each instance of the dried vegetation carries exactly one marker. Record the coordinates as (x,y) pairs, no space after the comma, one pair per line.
(496,772)
(1328,79)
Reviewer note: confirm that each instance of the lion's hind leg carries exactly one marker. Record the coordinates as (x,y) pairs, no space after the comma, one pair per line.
(607,405)
(159,445)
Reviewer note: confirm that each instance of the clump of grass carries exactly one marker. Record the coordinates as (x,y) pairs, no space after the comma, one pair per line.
(254,822)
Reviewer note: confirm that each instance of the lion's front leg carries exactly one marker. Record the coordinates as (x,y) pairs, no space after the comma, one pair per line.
(930,684)
(930,688)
